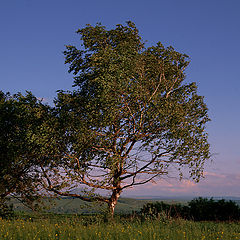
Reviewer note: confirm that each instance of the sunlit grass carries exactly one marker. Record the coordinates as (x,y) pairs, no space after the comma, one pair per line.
(77,228)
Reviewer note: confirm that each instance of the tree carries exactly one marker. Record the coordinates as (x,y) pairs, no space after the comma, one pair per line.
(130,119)
(24,146)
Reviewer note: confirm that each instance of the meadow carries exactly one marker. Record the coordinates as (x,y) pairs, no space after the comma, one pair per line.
(72,219)
(94,227)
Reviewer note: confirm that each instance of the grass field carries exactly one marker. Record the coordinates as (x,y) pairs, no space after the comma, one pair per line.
(62,222)
(75,227)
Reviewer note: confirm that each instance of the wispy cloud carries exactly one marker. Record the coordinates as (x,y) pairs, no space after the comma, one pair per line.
(213,174)
(214,184)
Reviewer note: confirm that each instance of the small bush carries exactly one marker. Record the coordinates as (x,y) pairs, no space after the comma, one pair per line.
(154,210)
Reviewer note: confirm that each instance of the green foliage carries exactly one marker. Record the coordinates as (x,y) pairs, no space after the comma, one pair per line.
(25,145)
(16,124)
(156,209)
(199,209)
(210,210)
(131,118)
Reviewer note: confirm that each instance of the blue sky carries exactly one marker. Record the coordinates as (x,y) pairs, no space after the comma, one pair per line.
(33,35)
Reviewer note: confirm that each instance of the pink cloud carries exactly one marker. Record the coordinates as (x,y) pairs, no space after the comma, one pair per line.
(212,174)
(214,184)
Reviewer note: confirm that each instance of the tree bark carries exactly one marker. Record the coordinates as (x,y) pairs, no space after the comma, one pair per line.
(113,201)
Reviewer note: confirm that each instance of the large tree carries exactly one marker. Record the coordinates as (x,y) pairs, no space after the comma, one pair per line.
(130,119)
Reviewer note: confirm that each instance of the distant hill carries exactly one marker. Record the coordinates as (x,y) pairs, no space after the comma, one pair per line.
(181,198)
(125,205)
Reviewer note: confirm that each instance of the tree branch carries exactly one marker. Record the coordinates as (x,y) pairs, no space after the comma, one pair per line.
(160,80)
(139,183)
(144,167)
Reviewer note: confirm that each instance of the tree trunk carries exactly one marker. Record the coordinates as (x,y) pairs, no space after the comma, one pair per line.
(113,201)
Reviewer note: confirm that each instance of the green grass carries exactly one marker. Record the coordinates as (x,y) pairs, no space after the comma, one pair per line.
(75,227)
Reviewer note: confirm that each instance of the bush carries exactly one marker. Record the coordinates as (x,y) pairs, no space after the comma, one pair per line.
(203,209)
(199,209)
(154,210)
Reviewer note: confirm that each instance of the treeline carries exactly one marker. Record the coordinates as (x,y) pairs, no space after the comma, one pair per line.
(199,209)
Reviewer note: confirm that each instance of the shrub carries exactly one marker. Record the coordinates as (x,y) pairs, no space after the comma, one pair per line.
(203,209)
(199,209)
(159,208)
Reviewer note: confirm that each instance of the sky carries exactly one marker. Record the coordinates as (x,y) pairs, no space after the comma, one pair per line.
(33,35)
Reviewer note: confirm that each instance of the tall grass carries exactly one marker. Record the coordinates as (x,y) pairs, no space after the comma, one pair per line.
(84,228)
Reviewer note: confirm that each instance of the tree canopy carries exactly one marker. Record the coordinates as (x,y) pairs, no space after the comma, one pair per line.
(130,119)
(25,145)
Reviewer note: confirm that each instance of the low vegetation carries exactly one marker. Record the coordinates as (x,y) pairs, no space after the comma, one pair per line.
(93,227)
(200,209)
(156,220)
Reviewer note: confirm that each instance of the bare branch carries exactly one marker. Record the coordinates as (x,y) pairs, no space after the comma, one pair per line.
(90,199)
(160,79)
(167,94)
(139,183)
(53,189)
(98,148)
(130,148)
(129,109)
(144,167)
